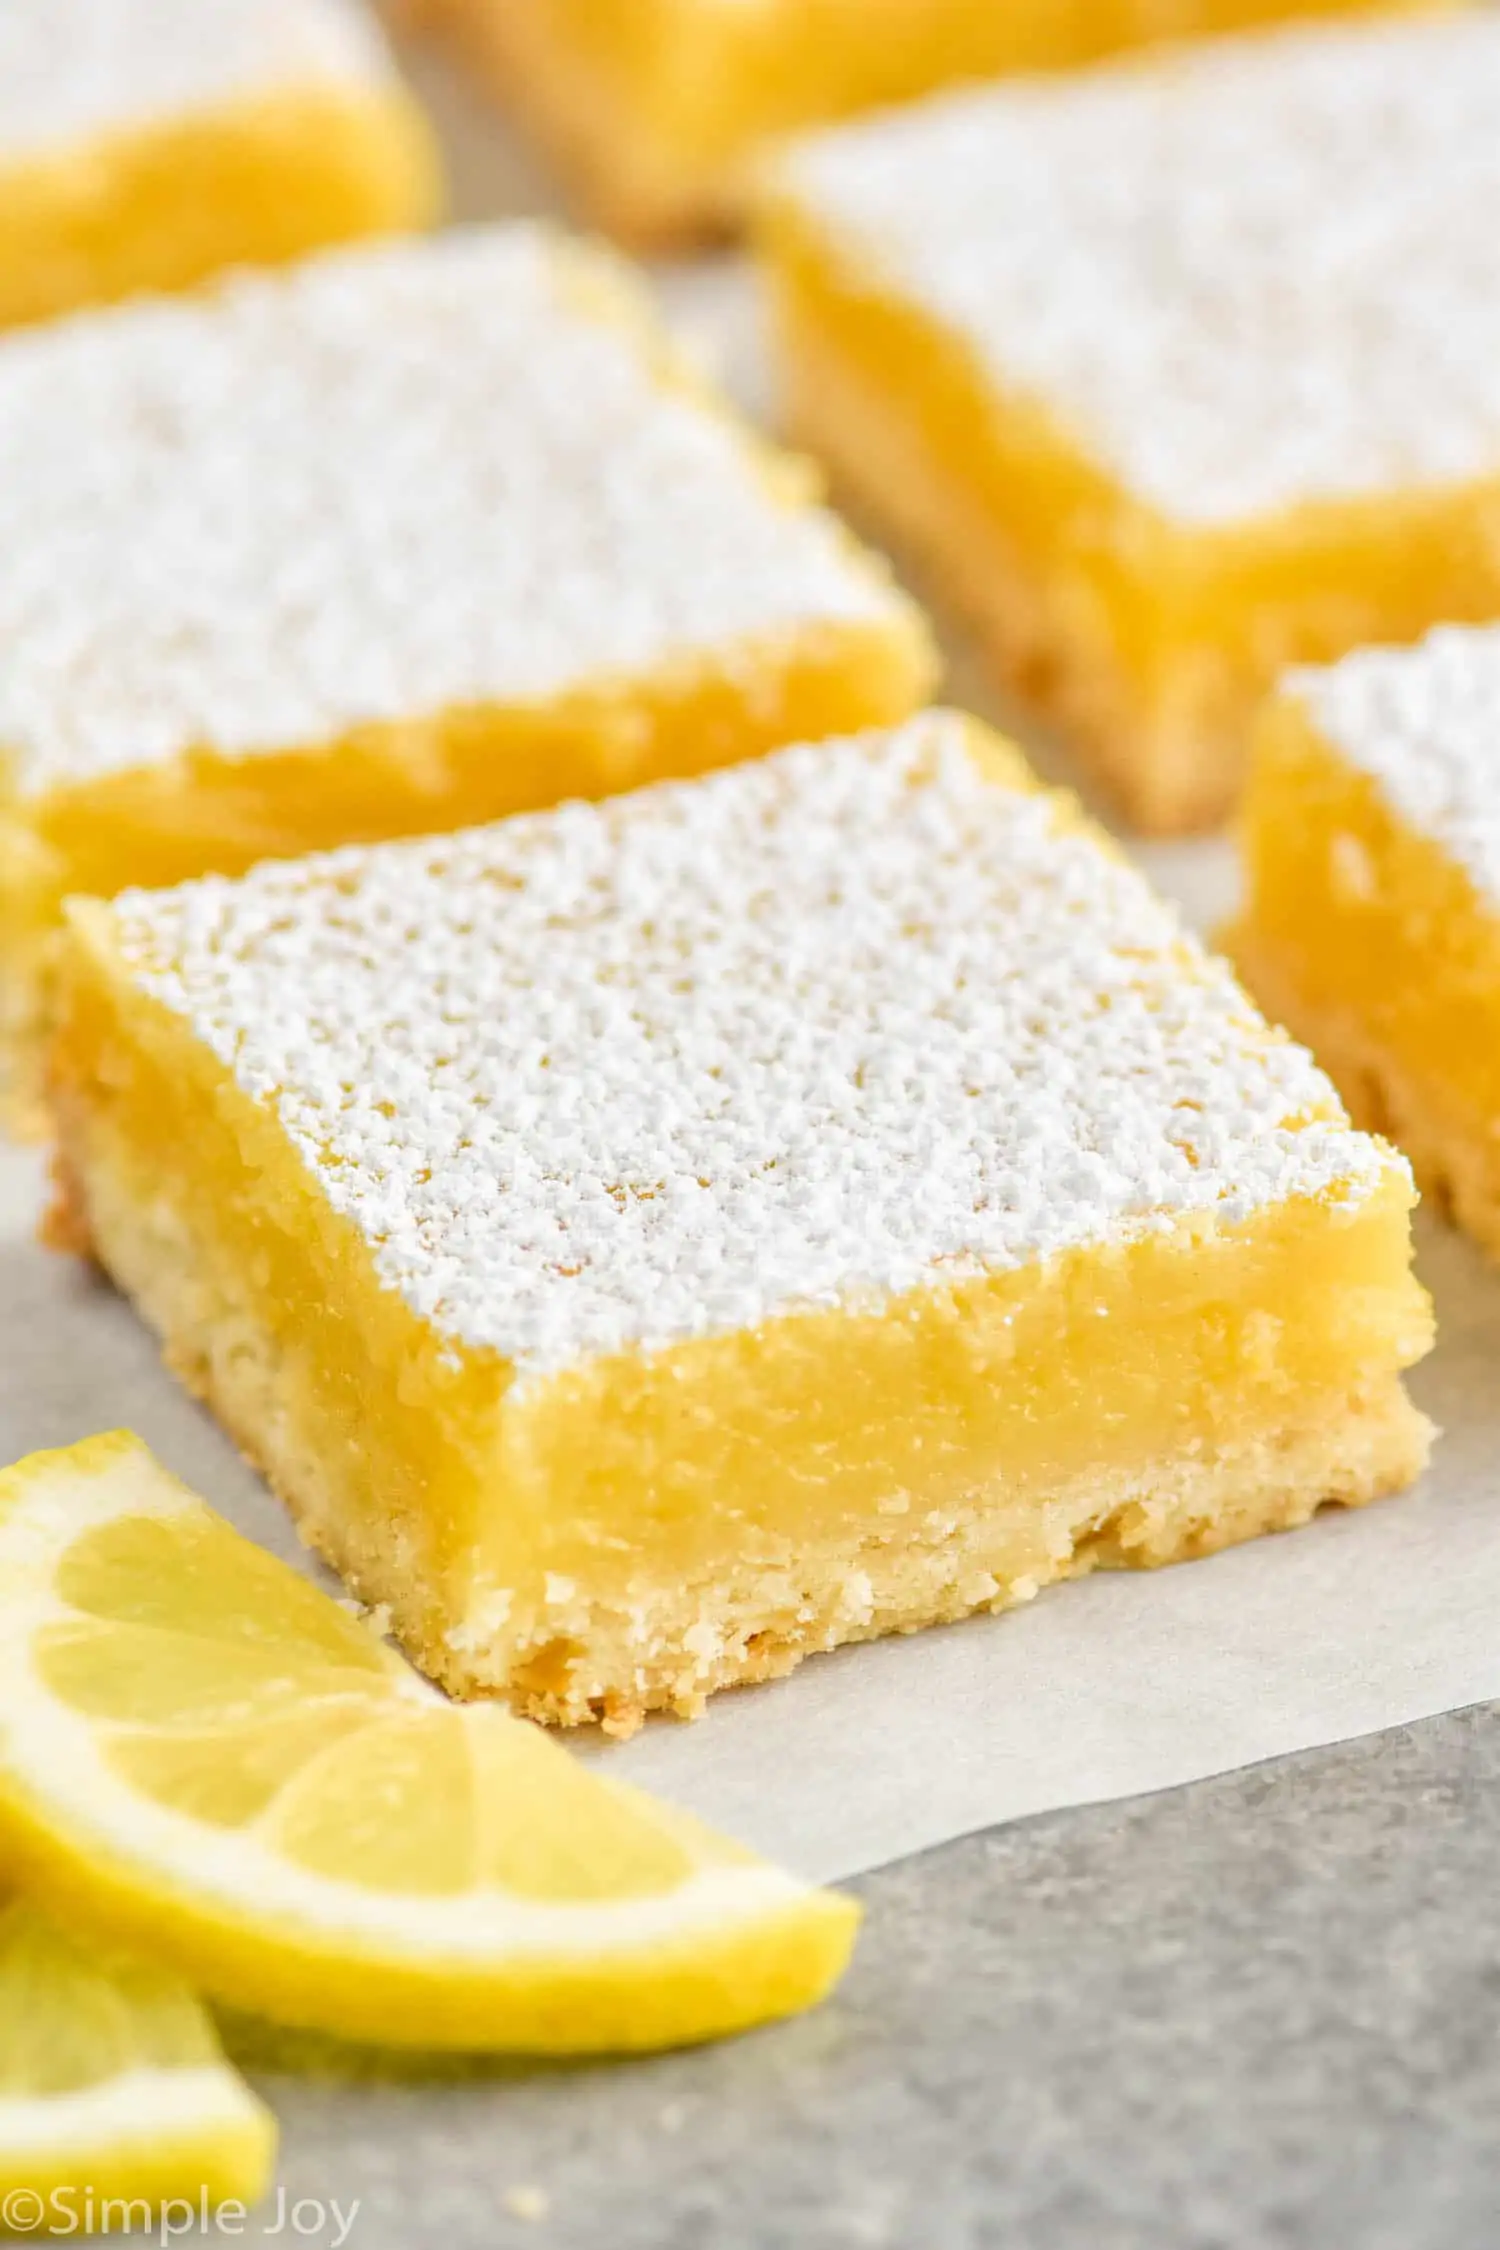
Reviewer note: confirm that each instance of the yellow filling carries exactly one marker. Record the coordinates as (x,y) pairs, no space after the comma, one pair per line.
(256,182)
(1374,944)
(1152,644)
(662,106)
(604,1539)
(207,813)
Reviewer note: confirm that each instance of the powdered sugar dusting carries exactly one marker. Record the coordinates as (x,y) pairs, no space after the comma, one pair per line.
(1424,723)
(850,1021)
(400,478)
(73,69)
(1256,273)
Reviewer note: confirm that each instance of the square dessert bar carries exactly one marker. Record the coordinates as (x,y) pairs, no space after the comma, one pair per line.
(412,536)
(1371,838)
(1173,373)
(658,111)
(652,1240)
(147,143)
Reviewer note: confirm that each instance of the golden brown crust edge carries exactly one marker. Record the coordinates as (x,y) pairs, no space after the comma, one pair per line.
(747,1626)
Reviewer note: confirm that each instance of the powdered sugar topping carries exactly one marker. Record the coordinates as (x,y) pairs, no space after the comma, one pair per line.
(849,1021)
(1256,273)
(71,70)
(398,479)
(1424,723)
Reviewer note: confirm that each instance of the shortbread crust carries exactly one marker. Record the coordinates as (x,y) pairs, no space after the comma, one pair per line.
(813,1201)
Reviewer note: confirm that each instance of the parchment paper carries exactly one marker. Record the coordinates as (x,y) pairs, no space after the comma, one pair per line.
(1099,1690)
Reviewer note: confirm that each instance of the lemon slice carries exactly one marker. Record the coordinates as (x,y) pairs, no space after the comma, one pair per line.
(112,2088)
(203,1755)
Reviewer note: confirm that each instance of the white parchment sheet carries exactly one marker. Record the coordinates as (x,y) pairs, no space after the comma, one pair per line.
(1098,1690)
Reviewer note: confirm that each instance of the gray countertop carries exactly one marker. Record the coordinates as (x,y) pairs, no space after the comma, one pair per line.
(1255,2014)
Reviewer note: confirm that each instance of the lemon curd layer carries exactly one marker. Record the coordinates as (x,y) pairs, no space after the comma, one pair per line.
(1225,396)
(650,1241)
(417,535)
(657,110)
(1372,919)
(144,147)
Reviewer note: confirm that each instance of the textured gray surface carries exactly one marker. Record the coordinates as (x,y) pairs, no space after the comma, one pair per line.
(1257,2014)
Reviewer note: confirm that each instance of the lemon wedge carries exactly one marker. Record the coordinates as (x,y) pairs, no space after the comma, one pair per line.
(204,1756)
(113,2089)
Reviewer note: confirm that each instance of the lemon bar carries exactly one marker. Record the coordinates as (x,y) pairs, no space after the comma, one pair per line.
(651,1240)
(1371,921)
(413,536)
(1173,374)
(147,143)
(658,111)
